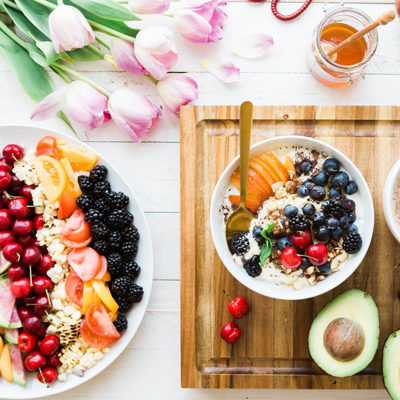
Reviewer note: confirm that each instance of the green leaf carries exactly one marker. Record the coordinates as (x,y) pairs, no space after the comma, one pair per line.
(84,54)
(107,9)
(265,251)
(267,230)
(37,14)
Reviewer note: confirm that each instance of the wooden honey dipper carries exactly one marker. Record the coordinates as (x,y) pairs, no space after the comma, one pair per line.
(383,19)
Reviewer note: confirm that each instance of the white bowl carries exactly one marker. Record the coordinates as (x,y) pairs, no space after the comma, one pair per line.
(29,136)
(391,200)
(364,207)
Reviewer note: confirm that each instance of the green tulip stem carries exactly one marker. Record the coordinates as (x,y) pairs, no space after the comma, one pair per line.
(102,42)
(60,2)
(61,74)
(12,35)
(150,78)
(11,4)
(168,15)
(96,51)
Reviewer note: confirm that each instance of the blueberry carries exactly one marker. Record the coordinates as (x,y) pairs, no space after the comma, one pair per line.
(334,192)
(337,233)
(257,234)
(352,228)
(351,187)
(322,233)
(319,218)
(283,243)
(318,193)
(332,223)
(321,179)
(309,184)
(290,211)
(325,206)
(331,165)
(340,180)
(309,209)
(305,166)
(302,191)
(352,218)
(344,221)
(351,205)
(325,268)
(305,263)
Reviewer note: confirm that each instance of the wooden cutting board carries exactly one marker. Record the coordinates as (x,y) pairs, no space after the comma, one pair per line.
(273,349)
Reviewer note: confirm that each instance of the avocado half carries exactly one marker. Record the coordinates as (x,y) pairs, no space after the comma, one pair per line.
(391,366)
(344,336)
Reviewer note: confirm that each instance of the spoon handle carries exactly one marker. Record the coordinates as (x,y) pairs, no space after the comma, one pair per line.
(246,121)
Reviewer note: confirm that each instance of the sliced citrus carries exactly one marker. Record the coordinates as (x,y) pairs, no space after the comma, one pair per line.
(71,177)
(80,159)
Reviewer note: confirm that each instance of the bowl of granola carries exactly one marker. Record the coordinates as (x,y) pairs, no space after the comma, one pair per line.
(313,218)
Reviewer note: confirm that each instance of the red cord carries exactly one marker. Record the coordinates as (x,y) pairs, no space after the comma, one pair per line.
(291,16)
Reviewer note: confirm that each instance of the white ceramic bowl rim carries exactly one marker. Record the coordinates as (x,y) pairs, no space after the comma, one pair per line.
(284,292)
(388,195)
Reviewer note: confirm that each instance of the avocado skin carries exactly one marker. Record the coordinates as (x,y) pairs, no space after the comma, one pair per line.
(395,336)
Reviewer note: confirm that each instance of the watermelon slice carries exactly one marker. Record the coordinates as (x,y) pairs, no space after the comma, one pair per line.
(7,301)
(11,335)
(4,264)
(18,373)
(15,321)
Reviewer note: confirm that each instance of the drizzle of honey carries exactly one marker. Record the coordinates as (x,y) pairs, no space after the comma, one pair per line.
(350,55)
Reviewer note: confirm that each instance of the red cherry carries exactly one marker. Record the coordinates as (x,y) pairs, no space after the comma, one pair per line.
(41,333)
(6,237)
(5,219)
(230,333)
(42,306)
(50,344)
(18,208)
(30,256)
(5,166)
(29,299)
(239,307)
(32,324)
(22,227)
(4,200)
(289,258)
(41,284)
(20,288)
(12,252)
(16,185)
(54,360)
(34,361)
(301,240)
(5,180)
(25,241)
(318,254)
(48,374)
(16,272)
(26,342)
(45,264)
(24,313)
(26,191)
(38,222)
(12,152)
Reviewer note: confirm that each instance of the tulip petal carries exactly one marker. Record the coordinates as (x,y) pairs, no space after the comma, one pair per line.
(50,105)
(124,54)
(226,71)
(192,26)
(149,6)
(252,46)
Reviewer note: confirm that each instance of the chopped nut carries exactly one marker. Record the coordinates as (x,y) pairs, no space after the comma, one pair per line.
(320,278)
(342,256)
(309,271)
(335,264)
(289,184)
(298,284)
(272,206)
(276,186)
(312,280)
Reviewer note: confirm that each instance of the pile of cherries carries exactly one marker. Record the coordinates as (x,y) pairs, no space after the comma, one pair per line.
(28,272)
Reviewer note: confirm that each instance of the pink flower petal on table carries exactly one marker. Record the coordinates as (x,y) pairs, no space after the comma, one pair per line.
(252,46)
(226,71)
(149,6)
(50,105)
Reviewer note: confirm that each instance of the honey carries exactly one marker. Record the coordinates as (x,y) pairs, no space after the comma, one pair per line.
(337,33)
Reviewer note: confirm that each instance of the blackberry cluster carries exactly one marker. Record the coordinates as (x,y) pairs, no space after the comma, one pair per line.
(121,323)
(101,246)
(352,242)
(101,189)
(100,231)
(299,223)
(240,244)
(98,173)
(115,240)
(252,266)
(338,206)
(131,234)
(85,183)
(85,201)
(117,200)
(102,206)
(94,216)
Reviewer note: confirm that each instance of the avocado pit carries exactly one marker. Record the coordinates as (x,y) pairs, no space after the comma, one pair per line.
(344,339)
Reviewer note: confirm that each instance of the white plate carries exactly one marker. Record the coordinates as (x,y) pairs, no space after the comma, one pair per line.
(28,137)
(364,204)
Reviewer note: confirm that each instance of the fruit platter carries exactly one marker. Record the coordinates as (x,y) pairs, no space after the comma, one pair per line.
(75,263)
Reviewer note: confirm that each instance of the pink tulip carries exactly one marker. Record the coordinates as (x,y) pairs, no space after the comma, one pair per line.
(155,51)
(176,91)
(124,54)
(200,20)
(149,6)
(133,113)
(87,106)
(69,29)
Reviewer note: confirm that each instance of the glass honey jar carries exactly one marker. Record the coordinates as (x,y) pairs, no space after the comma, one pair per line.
(348,64)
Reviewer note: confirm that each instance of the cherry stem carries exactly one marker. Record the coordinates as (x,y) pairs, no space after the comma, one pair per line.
(44,379)
(41,305)
(230,298)
(10,196)
(15,158)
(33,206)
(48,297)
(30,275)
(303,255)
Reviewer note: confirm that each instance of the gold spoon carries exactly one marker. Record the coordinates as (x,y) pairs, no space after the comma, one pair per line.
(240,220)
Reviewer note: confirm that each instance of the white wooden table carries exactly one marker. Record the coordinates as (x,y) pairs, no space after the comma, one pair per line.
(150,366)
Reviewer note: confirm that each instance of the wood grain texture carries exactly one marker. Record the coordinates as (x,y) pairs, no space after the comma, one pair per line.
(273,350)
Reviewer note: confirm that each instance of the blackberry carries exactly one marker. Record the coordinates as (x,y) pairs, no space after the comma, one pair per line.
(352,242)
(121,323)
(101,246)
(103,206)
(134,293)
(120,218)
(120,286)
(98,173)
(115,240)
(240,244)
(299,223)
(85,183)
(252,266)
(100,231)
(131,234)
(131,269)
(117,200)
(115,264)
(338,206)
(85,202)
(101,188)
(94,216)
(124,304)
(129,250)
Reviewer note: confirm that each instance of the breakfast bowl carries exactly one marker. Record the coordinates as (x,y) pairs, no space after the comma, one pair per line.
(356,239)
(391,200)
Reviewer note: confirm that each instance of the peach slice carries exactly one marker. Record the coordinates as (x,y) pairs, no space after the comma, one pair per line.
(257,177)
(253,187)
(281,167)
(251,205)
(235,180)
(268,166)
(288,164)
(273,165)
(262,172)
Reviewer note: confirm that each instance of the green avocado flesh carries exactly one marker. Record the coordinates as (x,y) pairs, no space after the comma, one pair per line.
(358,309)
(391,365)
